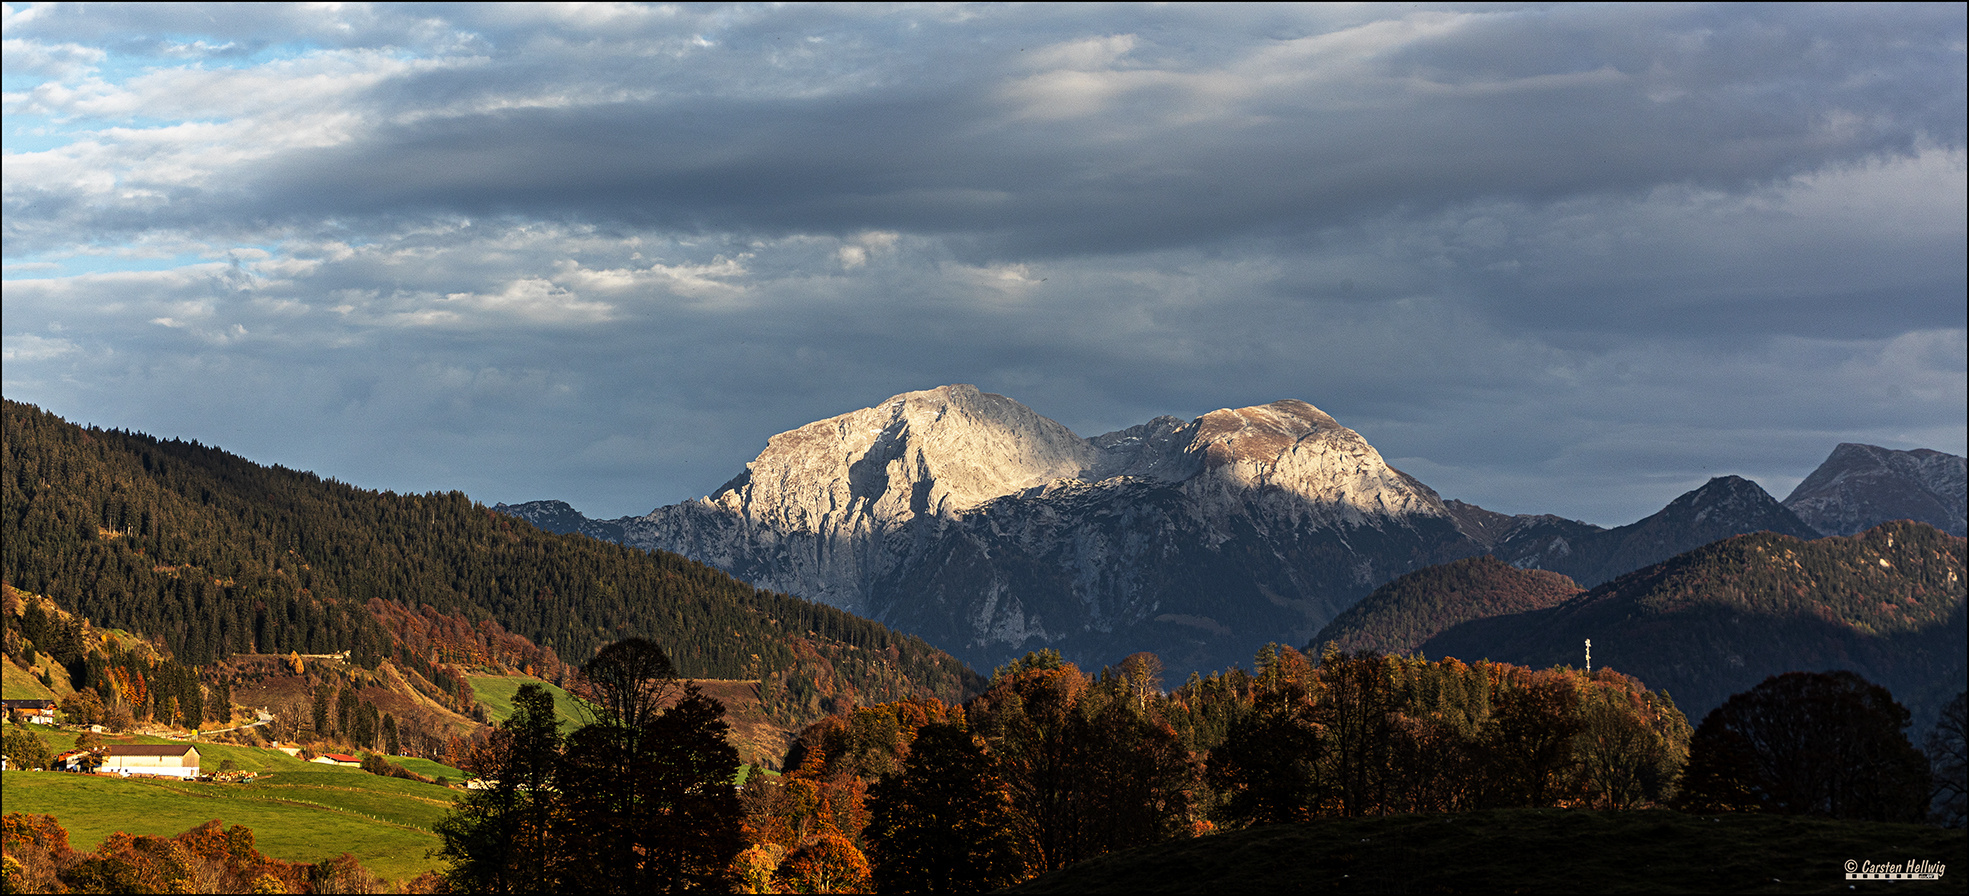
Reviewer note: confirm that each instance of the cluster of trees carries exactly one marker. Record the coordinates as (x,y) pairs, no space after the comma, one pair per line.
(206,859)
(1823,743)
(1051,766)
(640,800)
(24,748)
(216,556)
(1369,734)
(355,719)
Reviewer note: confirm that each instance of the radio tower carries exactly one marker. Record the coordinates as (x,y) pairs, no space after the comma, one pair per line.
(1589,654)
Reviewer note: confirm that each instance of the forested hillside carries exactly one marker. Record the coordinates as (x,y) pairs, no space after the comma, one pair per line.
(215,555)
(1887,603)
(1402,614)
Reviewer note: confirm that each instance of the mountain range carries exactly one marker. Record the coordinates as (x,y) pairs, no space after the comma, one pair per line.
(971,520)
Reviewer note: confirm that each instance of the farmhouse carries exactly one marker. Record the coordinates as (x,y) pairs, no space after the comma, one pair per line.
(168,760)
(78,761)
(40,712)
(337,759)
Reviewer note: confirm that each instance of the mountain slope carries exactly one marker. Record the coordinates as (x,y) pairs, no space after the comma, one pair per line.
(969,519)
(1887,603)
(1861,486)
(216,555)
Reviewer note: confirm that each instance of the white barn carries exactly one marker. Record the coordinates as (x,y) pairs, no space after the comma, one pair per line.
(164,760)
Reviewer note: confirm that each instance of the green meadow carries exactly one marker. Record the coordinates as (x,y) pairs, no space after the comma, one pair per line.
(20,684)
(299,811)
(497,691)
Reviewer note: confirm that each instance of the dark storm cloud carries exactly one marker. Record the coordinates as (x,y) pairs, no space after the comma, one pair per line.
(1500,112)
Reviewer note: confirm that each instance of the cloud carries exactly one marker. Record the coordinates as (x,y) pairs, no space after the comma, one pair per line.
(1560,258)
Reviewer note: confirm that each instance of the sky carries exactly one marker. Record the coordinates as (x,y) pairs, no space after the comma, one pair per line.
(1548,259)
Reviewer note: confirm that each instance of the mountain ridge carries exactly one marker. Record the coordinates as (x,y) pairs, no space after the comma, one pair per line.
(972,520)
(968,517)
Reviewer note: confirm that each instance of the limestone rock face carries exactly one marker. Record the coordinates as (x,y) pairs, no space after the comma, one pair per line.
(967,518)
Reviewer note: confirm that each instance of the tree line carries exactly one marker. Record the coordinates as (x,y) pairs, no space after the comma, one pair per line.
(1051,766)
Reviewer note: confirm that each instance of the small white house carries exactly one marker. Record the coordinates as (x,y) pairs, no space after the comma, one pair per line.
(338,759)
(162,760)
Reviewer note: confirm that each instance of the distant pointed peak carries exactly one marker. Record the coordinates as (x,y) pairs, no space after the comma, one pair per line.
(1722,488)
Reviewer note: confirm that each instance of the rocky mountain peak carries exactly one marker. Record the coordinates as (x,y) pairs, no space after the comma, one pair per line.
(936,452)
(977,517)
(1721,494)
(1860,486)
(1259,435)
(1295,448)
(1721,507)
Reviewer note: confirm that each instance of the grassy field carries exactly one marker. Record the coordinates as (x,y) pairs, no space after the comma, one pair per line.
(298,811)
(20,684)
(1528,851)
(496,692)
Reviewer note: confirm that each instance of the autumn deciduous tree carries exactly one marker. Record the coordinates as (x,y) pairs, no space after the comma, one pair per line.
(37,848)
(1632,743)
(645,792)
(1092,766)
(1809,743)
(210,858)
(1354,703)
(829,864)
(945,824)
(1529,745)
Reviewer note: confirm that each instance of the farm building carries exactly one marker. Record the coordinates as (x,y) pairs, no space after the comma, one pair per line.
(78,761)
(40,712)
(172,760)
(337,759)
